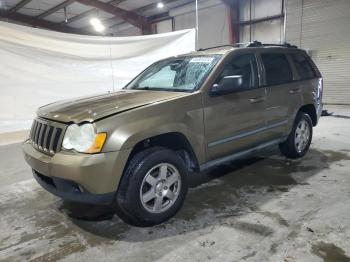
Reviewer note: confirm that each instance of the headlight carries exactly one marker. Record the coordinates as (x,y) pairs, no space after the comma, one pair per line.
(83,139)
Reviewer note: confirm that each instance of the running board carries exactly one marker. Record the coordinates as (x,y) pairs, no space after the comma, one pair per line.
(240,154)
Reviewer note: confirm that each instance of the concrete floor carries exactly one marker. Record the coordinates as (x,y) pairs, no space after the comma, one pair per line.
(265,208)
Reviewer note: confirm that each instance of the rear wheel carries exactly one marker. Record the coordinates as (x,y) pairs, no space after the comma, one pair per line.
(299,139)
(153,187)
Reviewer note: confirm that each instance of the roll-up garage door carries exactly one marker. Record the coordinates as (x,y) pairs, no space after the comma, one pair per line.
(323,28)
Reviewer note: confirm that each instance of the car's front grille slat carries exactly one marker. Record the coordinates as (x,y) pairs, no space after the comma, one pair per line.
(32,130)
(37,131)
(41,136)
(47,136)
(57,139)
(52,139)
(47,128)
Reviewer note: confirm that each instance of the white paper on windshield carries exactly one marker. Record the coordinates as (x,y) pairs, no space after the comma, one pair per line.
(203,59)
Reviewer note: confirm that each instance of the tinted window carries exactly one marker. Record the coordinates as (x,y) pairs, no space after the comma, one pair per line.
(245,66)
(303,66)
(277,69)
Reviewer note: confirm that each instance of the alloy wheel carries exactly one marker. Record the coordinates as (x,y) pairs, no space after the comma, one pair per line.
(160,188)
(302,135)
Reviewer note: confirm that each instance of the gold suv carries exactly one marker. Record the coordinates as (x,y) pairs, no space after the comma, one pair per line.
(134,148)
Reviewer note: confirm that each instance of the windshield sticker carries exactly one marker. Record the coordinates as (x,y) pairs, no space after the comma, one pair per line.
(202,60)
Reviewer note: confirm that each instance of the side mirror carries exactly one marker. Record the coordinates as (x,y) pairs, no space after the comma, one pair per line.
(227,85)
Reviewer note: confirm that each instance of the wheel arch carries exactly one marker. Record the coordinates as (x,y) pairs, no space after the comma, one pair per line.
(311,111)
(172,140)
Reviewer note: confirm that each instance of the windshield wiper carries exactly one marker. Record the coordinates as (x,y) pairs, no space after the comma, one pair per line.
(142,88)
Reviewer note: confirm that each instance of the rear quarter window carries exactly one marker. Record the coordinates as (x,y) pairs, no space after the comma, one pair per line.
(302,66)
(277,68)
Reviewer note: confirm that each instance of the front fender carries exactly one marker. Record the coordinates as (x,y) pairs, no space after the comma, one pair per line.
(184,116)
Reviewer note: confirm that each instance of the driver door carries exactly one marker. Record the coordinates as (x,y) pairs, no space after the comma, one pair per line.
(233,121)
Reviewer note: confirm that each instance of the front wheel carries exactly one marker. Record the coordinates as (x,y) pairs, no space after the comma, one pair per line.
(153,187)
(299,139)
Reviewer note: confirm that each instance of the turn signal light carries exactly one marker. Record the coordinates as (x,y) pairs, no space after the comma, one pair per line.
(100,140)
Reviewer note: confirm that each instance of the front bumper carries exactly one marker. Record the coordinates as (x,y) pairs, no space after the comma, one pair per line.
(88,178)
(71,191)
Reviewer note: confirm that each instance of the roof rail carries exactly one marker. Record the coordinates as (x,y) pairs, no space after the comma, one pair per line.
(259,44)
(245,44)
(249,44)
(212,47)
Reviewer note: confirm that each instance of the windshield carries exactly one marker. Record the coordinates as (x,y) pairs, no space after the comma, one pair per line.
(182,74)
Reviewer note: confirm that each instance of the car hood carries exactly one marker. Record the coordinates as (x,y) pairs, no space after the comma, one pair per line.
(89,109)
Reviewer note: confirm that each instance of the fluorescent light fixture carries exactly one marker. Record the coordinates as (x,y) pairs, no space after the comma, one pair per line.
(97,24)
(160,5)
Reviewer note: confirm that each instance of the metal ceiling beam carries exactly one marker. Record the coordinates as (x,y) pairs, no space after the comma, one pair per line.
(55,9)
(259,20)
(152,6)
(80,16)
(153,18)
(39,22)
(130,17)
(89,12)
(19,5)
(115,21)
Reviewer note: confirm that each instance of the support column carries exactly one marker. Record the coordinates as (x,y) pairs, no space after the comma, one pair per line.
(232,7)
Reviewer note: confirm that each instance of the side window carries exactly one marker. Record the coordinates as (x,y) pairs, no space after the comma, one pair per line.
(303,66)
(277,69)
(245,66)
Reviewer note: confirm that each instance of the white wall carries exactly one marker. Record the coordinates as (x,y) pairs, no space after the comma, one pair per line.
(213,22)
(266,32)
(164,26)
(260,8)
(269,31)
(125,30)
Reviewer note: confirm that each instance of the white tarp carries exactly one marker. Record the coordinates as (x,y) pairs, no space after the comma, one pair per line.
(38,67)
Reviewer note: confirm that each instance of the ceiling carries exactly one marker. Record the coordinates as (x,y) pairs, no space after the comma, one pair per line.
(73,16)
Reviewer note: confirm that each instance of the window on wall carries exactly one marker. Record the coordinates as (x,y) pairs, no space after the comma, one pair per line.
(302,66)
(277,69)
(245,66)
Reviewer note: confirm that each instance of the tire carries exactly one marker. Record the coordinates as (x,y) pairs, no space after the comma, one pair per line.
(153,187)
(299,140)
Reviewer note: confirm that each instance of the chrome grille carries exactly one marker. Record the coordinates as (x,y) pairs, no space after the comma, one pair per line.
(47,136)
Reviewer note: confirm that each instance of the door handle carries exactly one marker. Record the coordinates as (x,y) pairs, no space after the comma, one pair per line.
(294,91)
(257,99)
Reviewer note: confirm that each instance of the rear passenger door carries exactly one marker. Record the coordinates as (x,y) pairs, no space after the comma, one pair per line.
(306,77)
(282,93)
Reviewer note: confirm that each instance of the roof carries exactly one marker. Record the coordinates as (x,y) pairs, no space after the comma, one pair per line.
(73,16)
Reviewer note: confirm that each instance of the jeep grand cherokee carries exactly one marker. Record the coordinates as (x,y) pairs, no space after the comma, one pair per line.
(135,147)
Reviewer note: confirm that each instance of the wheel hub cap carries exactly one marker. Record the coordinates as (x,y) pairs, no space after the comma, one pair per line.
(160,188)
